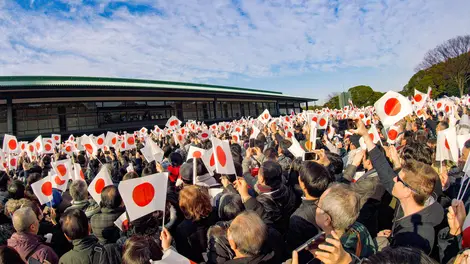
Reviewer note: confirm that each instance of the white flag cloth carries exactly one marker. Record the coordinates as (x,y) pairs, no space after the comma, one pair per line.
(254,132)
(447,148)
(322,122)
(48,146)
(392,107)
(172,257)
(313,134)
(89,145)
(223,156)
(111,139)
(144,195)
(195,152)
(56,138)
(420,98)
(101,180)
(205,134)
(461,139)
(296,149)
(38,145)
(173,122)
(374,134)
(43,190)
(122,222)
(10,144)
(100,141)
(63,172)
(392,134)
(78,173)
(209,161)
(264,117)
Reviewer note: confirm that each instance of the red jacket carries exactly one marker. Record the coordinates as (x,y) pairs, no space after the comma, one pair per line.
(174,173)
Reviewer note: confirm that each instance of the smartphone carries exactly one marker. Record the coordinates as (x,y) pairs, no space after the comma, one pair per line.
(313,242)
(310,156)
(106,152)
(252,142)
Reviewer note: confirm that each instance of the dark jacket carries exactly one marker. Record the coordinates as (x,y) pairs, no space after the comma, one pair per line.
(416,230)
(449,245)
(31,246)
(102,225)
(302,227)
(191,237)
(89,207)
(357,241)
(259,259)
(86,251)
(275,208)
(6,230)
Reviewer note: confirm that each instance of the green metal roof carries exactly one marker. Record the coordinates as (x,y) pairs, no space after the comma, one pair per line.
(12,81)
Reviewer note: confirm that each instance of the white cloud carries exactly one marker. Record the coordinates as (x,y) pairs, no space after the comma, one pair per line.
(209,40)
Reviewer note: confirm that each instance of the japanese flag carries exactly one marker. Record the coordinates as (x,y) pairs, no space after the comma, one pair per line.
(179,138)
(43,190)
(101,180)
(48,146)
(322,122)
(205,135)
(313,134)
(78,173)
(429,92)
(209,161)
(264,117)
(157,152)
(71,138)
(461,139)
(68,148)
(392,134)
(100,141)
(440,105)
(289,133)
(235,137)
(38,145)
(111,139)
(312,117)
(130,141)
(56,138)
(89,145)
(420,112)
(145,195)
(172,257)
(195,152)
(254,132)
(392,107)
(420,98)
(57,181)
(296,149)
(447,148)
(12,161)
(63,168)
(122,222)
(223,157)
(10,144)
(143,131)
(374,134)
(147,153)
(173,122)
(23,145)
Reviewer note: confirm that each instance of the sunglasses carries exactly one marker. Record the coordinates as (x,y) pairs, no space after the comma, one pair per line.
(406,184)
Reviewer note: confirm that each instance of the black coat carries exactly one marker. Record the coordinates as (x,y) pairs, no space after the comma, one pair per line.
(191,237)
(302,227)
(274,208)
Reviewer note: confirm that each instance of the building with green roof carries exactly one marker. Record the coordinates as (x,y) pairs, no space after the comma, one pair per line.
(32,105)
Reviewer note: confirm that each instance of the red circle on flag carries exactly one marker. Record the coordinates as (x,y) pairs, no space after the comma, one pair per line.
(114,140)
(446,143)
(204,135)
(174,123)
(183,131)
(221,157)
(13,162)
(46,188)
(314,119)
(392,134)
(237,129)
(56,138)
(368,122)
(58,181)
(362,116)
(289,134)
(48,147)
(125,224)
(31,148)
(418,98)
(180,137)
(371,135)
(322,122)
(38,145)
(68,148)
(130,141)
(61,169)
(235,138)
(143,194)
(197,154)
(392,107)
(447,109)
(23,146)
(12,144)
(89,148)
(287,119)
(266,116)
(81,175)
(212,160)
(100,141)
(99,186)
(123,145)
(439,105)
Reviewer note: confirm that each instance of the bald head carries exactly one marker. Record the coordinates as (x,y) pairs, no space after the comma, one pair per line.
(248,232)
(25,221)
(110,197)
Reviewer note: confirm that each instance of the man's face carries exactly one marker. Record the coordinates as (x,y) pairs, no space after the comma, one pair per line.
(399,190)
(321,217)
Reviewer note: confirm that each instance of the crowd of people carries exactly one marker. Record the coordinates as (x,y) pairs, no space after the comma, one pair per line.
(363,202)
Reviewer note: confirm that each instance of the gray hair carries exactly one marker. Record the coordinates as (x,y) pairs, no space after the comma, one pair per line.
(342,204)
(248,232)
(78,190)
(23,218)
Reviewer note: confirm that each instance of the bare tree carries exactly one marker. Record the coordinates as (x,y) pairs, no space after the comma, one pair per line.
(454,54)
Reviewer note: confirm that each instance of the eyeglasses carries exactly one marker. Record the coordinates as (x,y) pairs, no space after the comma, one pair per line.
(406,184)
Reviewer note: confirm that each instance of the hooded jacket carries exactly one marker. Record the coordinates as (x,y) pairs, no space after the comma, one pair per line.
(31,246)
(206,180)
(275,208)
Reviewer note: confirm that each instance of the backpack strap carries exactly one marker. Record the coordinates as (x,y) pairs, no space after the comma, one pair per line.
(359,242)
(32,251)
(97,255)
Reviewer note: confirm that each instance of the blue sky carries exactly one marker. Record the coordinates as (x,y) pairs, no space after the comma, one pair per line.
(300,47)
